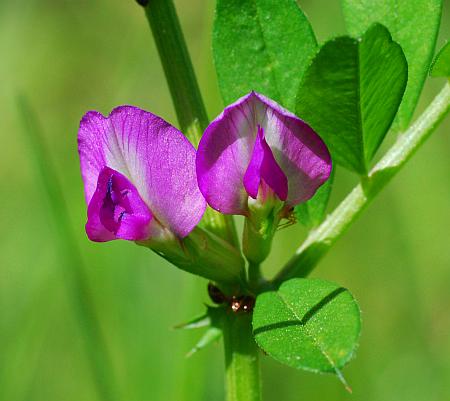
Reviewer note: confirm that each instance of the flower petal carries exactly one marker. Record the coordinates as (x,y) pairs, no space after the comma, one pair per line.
(223,156)
(299,151)
(264,170)
(225,152)
(116,210)
(153,155)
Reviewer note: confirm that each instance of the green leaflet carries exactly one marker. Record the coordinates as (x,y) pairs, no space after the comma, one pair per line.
(441,64)
(308,324)
(351,92)
(414,25)
(260,47)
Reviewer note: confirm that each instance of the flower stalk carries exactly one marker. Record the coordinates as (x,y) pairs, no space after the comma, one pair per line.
(323,237)
(259,228)
(184,90)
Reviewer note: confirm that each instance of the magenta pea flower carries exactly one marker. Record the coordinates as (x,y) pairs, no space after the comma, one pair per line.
(139,177)
(256,149)
(259,160)
(140,185)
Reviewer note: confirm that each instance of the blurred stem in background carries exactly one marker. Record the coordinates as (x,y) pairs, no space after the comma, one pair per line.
(69,253)
(186,97)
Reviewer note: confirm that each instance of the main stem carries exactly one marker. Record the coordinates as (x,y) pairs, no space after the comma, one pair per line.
(186,97)
(243,381)
(321,239)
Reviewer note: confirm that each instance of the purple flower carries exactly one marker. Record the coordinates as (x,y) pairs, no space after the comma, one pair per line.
(139,176)
(257,149)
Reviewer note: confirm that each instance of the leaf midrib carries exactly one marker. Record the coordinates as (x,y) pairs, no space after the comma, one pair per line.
(267,50)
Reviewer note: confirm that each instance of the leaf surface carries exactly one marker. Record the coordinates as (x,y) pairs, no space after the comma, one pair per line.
(308,324)
(351,92)
(262,47)
(414,24)
(441,64)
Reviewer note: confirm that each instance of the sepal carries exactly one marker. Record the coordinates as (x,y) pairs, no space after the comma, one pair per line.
(213,320)
(195,323)
(210,336)
(202,253)
(260,226)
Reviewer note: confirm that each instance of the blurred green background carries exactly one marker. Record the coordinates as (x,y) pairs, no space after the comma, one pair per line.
(68,57)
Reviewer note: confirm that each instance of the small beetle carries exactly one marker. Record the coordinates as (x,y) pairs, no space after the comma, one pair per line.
(242,303)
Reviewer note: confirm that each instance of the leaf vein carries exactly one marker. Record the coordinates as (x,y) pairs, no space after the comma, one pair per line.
(311,336)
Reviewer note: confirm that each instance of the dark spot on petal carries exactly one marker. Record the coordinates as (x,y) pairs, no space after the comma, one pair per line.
(122,215)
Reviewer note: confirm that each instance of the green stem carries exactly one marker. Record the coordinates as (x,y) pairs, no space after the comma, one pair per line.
(189,107)
(243,381)
(178,68)
(254,275)
(320,240)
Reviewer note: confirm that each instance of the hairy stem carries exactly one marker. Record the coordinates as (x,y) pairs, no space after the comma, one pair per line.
(321,239)
(191,112)
(243,381)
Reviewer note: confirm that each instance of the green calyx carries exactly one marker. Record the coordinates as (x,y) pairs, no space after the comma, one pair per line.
(260,226)
(204,254)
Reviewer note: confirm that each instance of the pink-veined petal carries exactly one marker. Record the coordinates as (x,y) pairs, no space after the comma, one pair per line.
(298,150)
(225,152)
(152,154)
